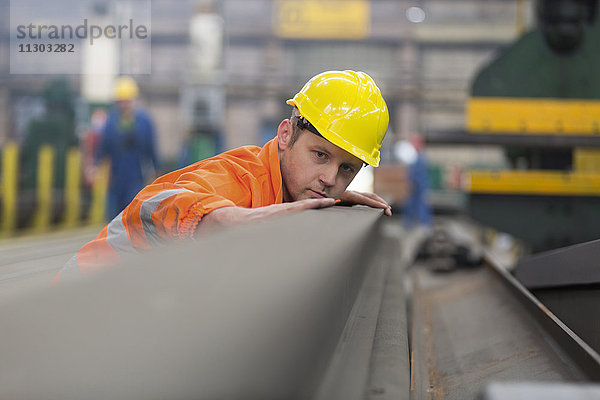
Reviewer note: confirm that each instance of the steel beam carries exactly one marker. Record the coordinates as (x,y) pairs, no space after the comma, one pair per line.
(253,312)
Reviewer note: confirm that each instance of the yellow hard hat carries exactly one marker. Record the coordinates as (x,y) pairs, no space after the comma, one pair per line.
(347,108)
(125,89)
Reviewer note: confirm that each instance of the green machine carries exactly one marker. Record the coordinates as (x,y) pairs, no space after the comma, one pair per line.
(53,131)
(541,98)
(55,128)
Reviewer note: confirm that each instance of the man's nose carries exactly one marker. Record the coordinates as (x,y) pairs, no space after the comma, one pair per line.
(328,175)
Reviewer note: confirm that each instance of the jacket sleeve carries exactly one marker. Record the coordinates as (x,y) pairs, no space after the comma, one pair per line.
(168,209)
(171,210)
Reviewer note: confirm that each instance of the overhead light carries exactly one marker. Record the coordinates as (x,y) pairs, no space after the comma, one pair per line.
(415,14)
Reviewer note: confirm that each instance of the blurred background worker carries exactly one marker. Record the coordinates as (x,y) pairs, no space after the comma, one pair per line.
(90,144)
(128,139)
(416,210)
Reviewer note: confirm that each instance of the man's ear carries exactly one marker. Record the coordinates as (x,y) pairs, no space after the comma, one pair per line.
(284,134)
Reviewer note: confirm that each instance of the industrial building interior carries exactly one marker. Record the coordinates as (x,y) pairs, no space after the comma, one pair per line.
(492,295)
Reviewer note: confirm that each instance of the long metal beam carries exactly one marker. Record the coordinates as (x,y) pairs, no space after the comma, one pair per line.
(253,312)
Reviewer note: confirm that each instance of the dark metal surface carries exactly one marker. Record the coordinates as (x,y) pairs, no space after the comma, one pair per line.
(468,330)
(573,265)
(254,312)
(578,307)
(586,358)
(567,281)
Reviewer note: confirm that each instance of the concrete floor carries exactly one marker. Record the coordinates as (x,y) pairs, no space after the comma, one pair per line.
(30,262)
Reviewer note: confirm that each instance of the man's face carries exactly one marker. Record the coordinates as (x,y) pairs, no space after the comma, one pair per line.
(126,106)
(313,167)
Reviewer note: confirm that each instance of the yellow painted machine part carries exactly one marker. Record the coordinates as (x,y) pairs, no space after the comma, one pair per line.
(534,183)
(45,177)
(533,116)
(72,189)
(8,186)
(586,159)
(97,213)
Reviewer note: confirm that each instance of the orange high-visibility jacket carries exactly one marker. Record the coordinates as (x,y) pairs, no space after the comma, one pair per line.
(171,207)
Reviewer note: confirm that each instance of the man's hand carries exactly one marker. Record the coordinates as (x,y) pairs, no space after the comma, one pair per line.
(351,197)
(230,216)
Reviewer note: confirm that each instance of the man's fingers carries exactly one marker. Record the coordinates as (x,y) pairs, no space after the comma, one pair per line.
(373,201)
(367,199)
(368,194)
(375,197)
(380,200)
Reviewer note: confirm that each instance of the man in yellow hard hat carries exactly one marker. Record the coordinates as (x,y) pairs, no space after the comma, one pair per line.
(338,122)
(128,140)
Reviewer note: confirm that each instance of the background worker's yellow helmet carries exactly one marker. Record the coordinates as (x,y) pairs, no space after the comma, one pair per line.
(347,108)
(125,89)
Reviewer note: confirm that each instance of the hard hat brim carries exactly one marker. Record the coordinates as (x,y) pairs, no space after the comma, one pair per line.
(339,142)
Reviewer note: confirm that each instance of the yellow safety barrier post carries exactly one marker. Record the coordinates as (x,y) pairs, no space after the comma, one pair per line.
(45,176)
(10,162)
(97,213)
(72,189)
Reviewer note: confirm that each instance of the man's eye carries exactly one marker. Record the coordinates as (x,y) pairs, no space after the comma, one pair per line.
(319,154)
(347,168)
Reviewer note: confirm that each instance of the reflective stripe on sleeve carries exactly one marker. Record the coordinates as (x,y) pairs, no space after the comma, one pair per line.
(70,271)
(147,209)
(117,236)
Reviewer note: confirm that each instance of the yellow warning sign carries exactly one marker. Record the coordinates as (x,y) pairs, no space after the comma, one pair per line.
(322,19)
